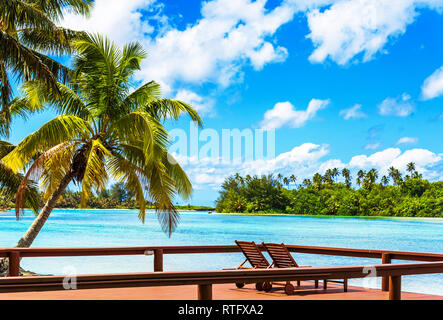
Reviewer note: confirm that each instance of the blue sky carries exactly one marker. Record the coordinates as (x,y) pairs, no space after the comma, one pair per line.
(343,83)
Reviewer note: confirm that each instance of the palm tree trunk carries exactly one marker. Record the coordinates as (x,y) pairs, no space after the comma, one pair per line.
(30,235)
(28,238)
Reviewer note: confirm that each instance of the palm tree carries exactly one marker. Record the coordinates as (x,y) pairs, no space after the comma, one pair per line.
(384,180)
(307,183)
(372,175)
(293,178)
(102,130)
(27,28)
(10,181)
(328,176)
(334,173)
(9,184)
(410,167)
(370,179)
(417,175)
(347,175)
(317,179)
(395,175)
(360,176)
(286,181)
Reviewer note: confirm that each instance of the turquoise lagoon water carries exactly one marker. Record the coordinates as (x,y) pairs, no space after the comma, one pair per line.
(86,228)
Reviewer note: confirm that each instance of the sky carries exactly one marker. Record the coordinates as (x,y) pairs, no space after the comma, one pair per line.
(340,83)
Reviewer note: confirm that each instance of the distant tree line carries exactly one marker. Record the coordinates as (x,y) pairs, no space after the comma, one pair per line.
(391,195)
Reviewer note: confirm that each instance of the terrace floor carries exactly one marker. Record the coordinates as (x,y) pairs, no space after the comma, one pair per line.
(306,291)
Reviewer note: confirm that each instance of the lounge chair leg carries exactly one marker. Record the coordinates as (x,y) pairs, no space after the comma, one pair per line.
(316,283)
(325,284)
(267,286)
(289,288)
(259,286)
(345,285)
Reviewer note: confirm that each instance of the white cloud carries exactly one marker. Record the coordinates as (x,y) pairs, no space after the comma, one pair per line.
(379,159)
(230,35)
(433,85)
(202,105)
(233,34)
(122,21)
(349,28)
(211,172)
(306,159)
(353,112)
(421,158)
(399,106)
(407,140)
(372,146)
(284,114)
(424,160)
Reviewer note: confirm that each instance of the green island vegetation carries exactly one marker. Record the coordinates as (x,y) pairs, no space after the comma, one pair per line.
(408,196)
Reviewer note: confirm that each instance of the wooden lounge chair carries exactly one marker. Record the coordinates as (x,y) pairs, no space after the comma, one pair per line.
(282,258)
(255,258)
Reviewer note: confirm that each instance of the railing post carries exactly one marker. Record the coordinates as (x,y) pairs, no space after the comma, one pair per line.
(395,288)
(205,292)
(385,259)
(158,260)
(14,264)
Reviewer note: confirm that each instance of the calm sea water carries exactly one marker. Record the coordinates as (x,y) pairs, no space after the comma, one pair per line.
(86,228)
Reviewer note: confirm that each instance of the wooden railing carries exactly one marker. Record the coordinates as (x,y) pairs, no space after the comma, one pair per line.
(390,273)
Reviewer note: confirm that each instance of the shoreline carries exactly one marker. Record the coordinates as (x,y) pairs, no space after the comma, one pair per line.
(326,216)
(255,214)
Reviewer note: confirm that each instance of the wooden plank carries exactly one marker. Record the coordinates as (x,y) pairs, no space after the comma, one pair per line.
(10,284)
(104,251)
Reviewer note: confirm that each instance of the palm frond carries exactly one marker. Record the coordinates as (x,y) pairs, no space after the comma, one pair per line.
(17,14)
(182,183)
(124,171)
(169,108)
(24,62)
(162,190)
(55,41)
(65,101)
(133,53)
(142,96)
(5,148)
(143,126)
(95,176)
(55,167)
(9,184)
(56,8)
(56,131)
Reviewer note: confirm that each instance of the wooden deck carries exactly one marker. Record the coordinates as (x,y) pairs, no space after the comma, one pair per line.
(306,291)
